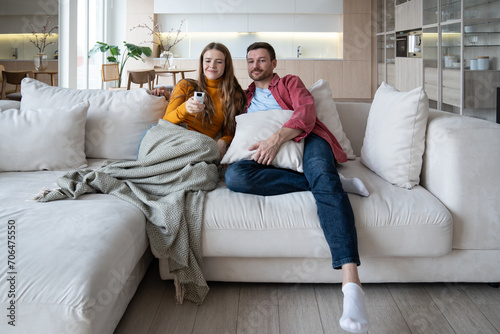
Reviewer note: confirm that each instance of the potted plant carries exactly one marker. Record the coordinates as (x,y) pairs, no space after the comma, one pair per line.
(131,51)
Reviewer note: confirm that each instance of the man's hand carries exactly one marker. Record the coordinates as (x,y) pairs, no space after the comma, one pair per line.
(161,91)
(269,148)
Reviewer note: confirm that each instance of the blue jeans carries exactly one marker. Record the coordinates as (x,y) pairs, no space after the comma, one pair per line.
(321,178)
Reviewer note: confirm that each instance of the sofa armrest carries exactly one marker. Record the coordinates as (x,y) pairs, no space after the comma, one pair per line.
(462,169)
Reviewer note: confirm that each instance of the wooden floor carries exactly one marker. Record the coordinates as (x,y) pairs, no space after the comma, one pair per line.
(247,308)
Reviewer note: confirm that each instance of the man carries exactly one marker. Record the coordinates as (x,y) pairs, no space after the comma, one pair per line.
(321,152)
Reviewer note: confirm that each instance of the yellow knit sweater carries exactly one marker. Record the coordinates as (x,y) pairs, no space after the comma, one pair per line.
(176,111)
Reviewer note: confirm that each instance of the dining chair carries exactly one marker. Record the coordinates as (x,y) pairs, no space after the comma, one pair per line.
(158,75)
(110,72)
(141,77)
(13,78)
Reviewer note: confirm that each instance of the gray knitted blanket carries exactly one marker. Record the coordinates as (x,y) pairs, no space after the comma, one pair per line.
(174,169)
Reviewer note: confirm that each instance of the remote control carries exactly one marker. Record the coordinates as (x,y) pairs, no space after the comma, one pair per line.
(199,96)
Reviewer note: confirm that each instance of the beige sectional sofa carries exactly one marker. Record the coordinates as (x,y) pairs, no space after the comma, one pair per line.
(77,264)
(447,229)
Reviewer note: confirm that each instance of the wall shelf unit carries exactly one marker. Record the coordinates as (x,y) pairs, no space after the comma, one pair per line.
(454,32)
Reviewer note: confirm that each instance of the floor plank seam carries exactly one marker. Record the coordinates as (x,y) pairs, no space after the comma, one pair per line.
(477,306)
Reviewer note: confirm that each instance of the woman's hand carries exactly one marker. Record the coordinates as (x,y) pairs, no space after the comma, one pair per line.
(194,107)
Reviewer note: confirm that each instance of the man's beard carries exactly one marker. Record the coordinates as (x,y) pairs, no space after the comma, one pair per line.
(257,75)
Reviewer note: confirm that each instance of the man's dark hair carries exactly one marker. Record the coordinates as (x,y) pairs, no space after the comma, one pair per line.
(263,45)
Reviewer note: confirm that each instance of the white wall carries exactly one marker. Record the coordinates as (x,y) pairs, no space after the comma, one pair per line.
(16,15)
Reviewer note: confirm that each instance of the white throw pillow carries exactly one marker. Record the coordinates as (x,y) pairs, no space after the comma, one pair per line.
(43,139)
(260,125)
(395,135)
(326,111)
(116,119)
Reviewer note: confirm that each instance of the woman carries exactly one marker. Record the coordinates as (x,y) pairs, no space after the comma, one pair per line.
(224,97)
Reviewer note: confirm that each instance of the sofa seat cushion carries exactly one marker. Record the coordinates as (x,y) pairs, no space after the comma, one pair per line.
(73,257)
(392,221)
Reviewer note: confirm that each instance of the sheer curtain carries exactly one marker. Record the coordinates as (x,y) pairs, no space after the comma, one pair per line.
(81,24)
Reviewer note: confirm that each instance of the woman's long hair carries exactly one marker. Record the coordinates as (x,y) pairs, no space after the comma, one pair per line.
(230,91)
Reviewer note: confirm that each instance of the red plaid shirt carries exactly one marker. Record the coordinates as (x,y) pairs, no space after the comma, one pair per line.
(291,94)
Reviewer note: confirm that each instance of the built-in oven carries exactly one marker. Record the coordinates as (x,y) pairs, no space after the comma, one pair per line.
(402,44)
(409,43)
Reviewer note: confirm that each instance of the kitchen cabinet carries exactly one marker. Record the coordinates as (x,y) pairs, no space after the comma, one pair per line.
(390,18)
(451,62)
(335,38)
(252,22)
(451,89)
(315,23)
(430,59)
(185,7)
(408,73)
(480,89)
(318,6)
(268,22)
(430,12)
(386,42)
(454,32)
(386,59)
(381,68)
(408,15)
(450,10)
(481,38)
(227,7)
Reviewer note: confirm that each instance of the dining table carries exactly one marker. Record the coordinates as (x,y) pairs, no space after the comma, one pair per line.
(47,72)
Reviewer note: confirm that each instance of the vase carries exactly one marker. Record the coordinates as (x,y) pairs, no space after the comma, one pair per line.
(166,59)
(41,61)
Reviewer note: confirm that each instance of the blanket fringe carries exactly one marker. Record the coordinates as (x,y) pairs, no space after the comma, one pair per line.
(42,193)
(180,290)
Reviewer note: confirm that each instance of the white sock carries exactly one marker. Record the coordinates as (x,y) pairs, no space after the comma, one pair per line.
(355,317)
(353,186)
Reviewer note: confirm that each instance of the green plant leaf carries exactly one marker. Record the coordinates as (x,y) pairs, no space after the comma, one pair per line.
(114,50)
(147,51)
(134,50)
(98,47)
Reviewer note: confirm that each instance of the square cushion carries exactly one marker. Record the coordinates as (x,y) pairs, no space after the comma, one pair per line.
(43,139)
(327,113)
(395,135)
(116,119)
(260,125)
